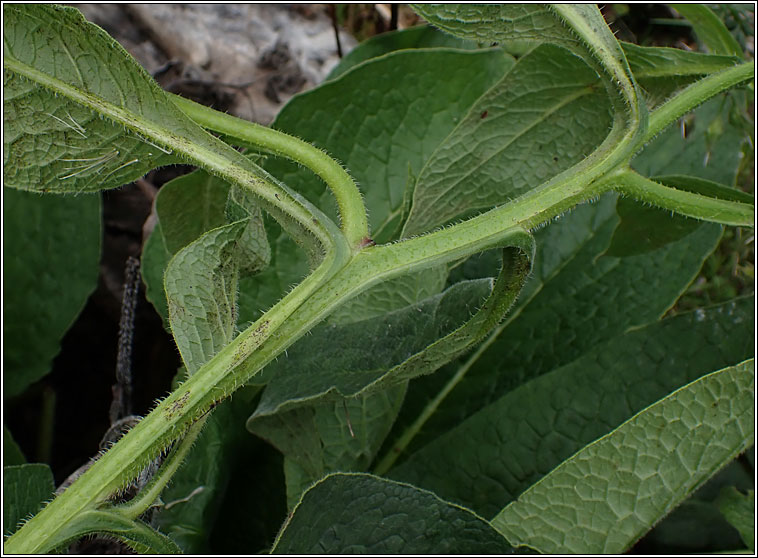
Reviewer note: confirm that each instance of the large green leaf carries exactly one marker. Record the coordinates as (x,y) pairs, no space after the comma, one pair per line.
(489,459)
(362,514)
(26,488)
(398,346)
(50,266)
(543,117)
(51,142)
(607,495)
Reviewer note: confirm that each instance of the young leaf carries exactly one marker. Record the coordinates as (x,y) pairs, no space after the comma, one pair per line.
(615,489)
(201,288)
(25,490)
(362,514)
(487,460)
(189,206)
(50,267)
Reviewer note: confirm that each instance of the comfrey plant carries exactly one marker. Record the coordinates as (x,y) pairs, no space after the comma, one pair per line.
(486,367)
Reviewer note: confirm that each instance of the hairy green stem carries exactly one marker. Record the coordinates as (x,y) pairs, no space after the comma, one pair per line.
(693,95)
(690,204)
(150,494)
(248,134)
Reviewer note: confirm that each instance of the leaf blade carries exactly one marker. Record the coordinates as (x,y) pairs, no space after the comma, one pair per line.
(711,420)
(352,513)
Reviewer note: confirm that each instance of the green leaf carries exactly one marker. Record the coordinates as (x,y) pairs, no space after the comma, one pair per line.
(420,36)
(710,29)
(362,514)
(706,188)
(12,454)
(331,436)
(487,460)
(694,526)
(516,26)
(352,358)
(201,289)
(189,206)
(643,229)
(50,266)
(346,362)
(739,510)
(26,488)
(543,117)
(51,142)
(615,489)
(395,293)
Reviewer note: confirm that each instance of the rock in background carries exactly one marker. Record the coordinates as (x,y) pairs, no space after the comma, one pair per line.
(246,59)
